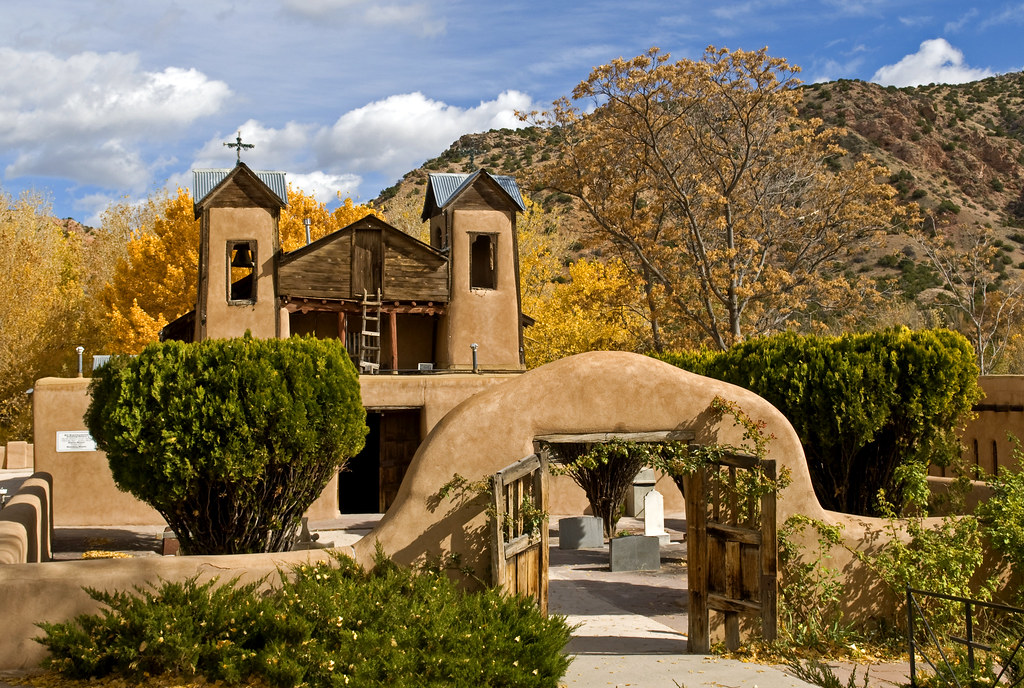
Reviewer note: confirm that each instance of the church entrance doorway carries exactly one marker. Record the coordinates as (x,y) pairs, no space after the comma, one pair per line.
(370,481)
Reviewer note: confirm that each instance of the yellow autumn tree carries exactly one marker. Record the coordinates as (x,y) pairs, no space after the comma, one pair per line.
(542,248)
(594,310)
(729,208)
(156,280)
(322,221)
(349,211)
(39,315)
(588,306)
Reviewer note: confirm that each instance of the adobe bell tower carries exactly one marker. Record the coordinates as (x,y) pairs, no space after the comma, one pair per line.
(473,220)
(239,212)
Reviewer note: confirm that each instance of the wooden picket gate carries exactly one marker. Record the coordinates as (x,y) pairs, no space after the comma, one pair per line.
(732,548)
(519,548)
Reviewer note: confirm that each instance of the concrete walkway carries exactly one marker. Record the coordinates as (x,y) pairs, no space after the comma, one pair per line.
(632,626)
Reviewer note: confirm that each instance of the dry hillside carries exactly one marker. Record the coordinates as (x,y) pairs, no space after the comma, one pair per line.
(956,150)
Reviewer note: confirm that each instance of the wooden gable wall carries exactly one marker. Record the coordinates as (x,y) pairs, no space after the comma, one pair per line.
(410,272)
(322,273)
(241,189)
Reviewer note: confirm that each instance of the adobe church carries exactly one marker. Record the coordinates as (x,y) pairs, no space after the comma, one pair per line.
(399,305)
(417,320)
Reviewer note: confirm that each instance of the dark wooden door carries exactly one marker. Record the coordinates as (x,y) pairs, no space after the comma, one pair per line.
(519,544)
(367,262)
(732,548)
(399,439)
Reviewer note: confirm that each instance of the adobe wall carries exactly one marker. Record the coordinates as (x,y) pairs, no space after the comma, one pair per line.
(84,492)
(30,593)
(17,456)
(591,392)
(1000,413)
(487,317)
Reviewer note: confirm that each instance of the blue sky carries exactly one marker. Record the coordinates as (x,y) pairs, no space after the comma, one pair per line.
(106,99)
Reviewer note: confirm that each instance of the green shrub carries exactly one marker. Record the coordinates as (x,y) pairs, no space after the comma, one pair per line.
(328,625)
(230,440)
(810,592)
(189,629)
(944,558)
(1002,516)
(871,410)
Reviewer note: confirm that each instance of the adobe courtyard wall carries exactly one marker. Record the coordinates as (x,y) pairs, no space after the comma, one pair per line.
(84,492)
(987,438)
(52,592)
(481,434)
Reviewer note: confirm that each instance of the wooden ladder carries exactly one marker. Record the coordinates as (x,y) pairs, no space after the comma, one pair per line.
(369,338)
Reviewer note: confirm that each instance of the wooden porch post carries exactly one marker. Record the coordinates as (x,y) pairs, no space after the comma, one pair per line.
(393,317)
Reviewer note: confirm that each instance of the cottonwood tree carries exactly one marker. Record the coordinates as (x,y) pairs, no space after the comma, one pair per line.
(728,207)
(156,280)
(322,221)
(39,315)
(977,296)
(587,306)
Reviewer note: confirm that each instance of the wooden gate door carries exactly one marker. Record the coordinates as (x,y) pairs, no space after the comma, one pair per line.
(519,542)
(399,439)
(732,548)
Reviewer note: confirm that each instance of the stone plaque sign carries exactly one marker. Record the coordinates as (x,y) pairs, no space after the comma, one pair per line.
(75,441)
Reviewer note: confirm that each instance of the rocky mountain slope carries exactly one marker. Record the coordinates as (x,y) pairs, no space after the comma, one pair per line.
(956,150)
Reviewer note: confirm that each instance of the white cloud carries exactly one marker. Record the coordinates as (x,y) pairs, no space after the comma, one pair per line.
(1013,14)
(417,17)
(399,132)
(315,9)
(830,70)
(387,137)
(81,117)
(935,62)
(325,187)
(915,21)
(959,24)
(275,149)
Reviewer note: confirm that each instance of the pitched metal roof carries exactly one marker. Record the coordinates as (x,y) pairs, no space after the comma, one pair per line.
(447,185)
(205,181)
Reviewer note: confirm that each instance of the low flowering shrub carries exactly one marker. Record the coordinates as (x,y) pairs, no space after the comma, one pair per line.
(328,624)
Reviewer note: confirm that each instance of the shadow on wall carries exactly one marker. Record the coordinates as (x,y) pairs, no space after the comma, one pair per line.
(592,392)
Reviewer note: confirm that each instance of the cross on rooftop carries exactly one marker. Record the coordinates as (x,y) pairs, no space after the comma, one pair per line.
(238,146)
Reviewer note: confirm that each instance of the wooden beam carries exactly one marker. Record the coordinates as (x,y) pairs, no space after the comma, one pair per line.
(654,436)
(393,317)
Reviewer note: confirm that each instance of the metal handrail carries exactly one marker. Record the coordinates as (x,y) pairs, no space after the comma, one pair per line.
(968,641)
